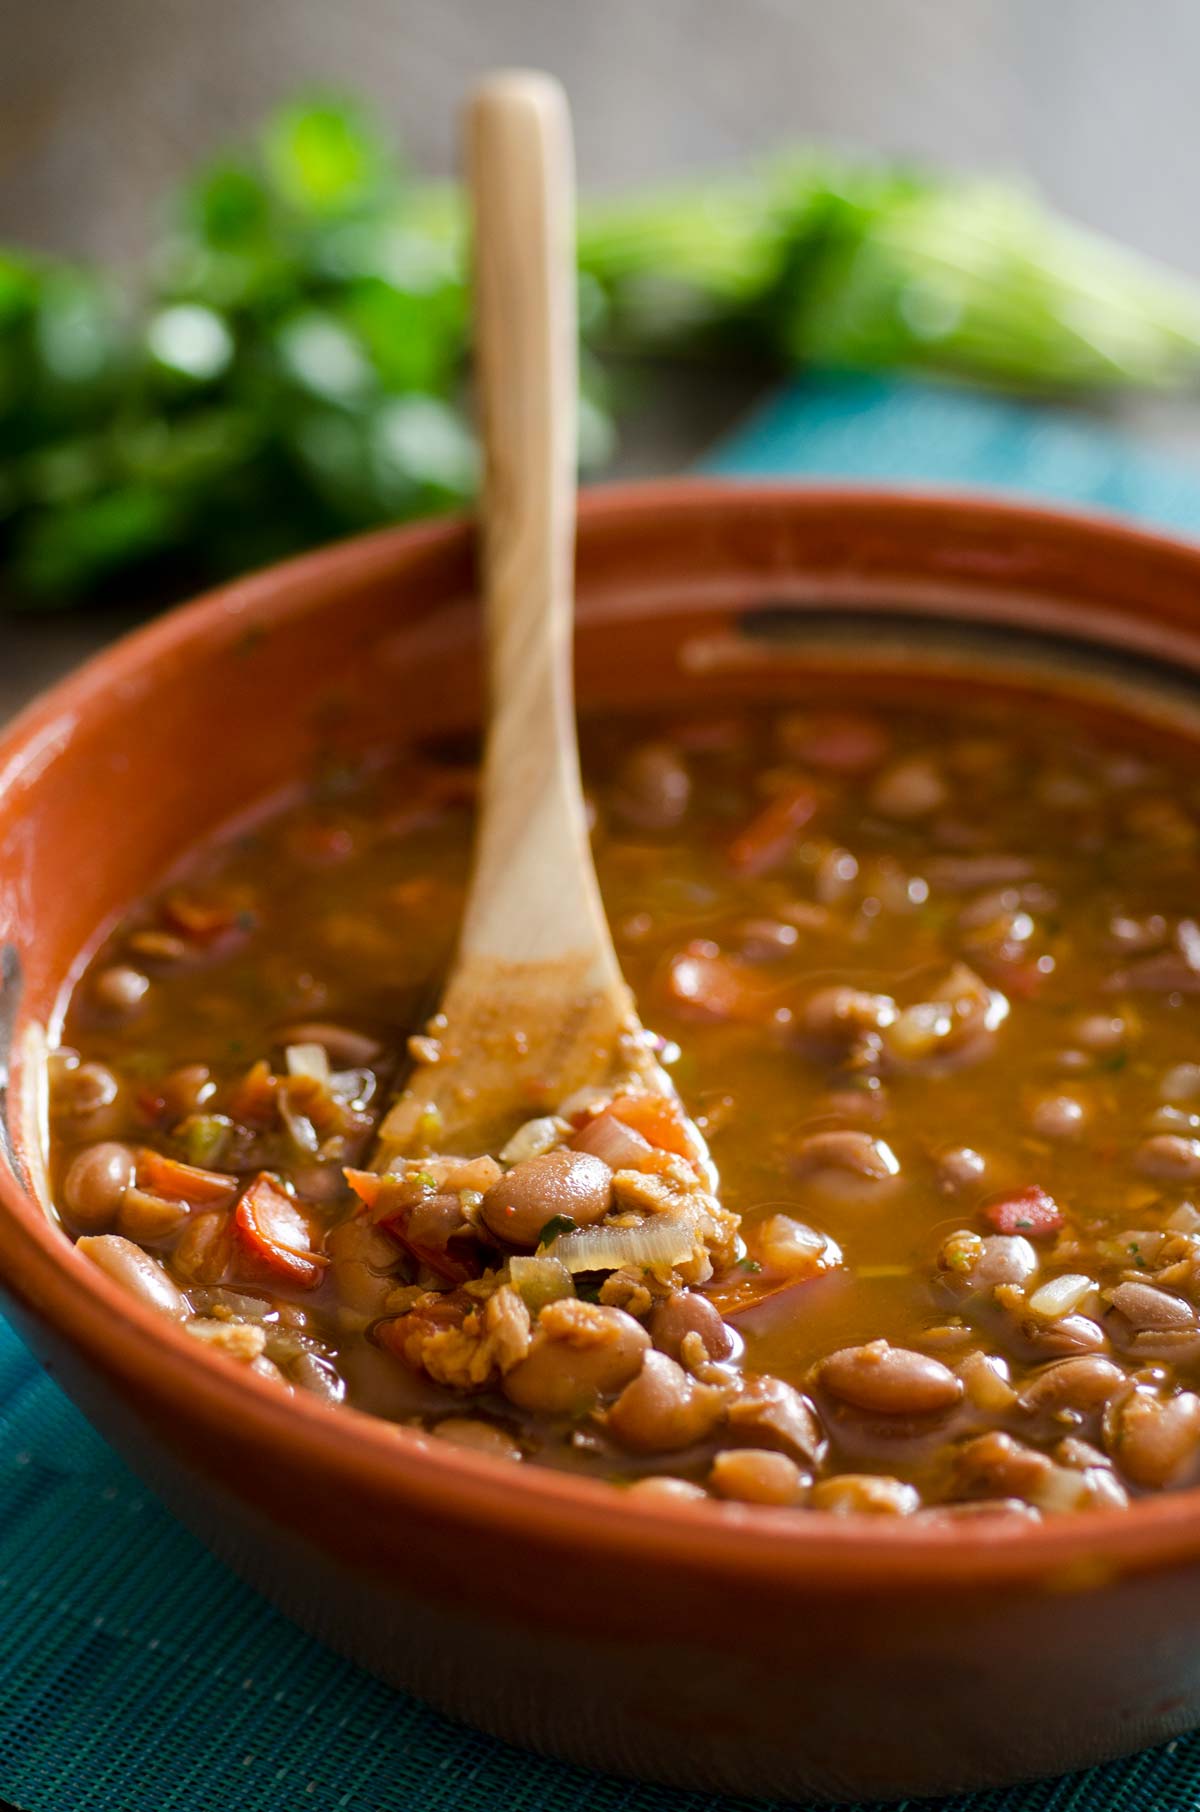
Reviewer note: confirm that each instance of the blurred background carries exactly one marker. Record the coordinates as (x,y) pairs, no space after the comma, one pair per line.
(227,331)
(105,103)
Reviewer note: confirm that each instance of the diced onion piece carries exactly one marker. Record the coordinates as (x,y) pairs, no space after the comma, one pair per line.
(535,1138)
(614,1143)
(1184,1219)
(539,1280)
(1061,1295)
(1181,1083)
(353,1088)
(308,1060)
(1061,1489)
(986,1381)
(301,1130)
(793,1248)
(666,1240)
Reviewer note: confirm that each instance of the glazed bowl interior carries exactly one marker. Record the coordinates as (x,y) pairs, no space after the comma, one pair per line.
(686,591)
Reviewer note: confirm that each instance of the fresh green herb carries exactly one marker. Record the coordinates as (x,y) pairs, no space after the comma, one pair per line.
(558,1223)
(1117,1061)
(749,1264)
(425,1178)
(295,368)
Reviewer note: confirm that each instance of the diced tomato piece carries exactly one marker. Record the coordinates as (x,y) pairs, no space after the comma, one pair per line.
(761,1301)
(709,985)
(1031,1212)
(845,742)
(252,1099)
(183,1182)
(659,1118)
(202,921)
(1020,978)
(769,838)
(405,1335)
(275,1236)
(151,1105)
(456,1266)
(318,845)
(456,1261)
(365,1184)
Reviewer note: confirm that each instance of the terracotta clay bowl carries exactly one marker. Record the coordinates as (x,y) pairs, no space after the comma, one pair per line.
(747,1650)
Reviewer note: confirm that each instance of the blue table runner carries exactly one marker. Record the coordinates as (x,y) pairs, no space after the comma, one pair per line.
(138,1675)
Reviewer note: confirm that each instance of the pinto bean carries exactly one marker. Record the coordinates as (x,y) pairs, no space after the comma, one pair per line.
(769,1413)
(1100,1033)
(1060,1339)
(148,1218)
(912,788)
(90,1097)
(136,1272)
(653,787)
(889,1380)
(1083,1383)
(1181,1083)
(996,1465)
(186,1089)
(961,1169)
(580,1351)
(345,1048)
(977,1510)
(661,1487)
(479,1436)
(865,1494)
(979,1262)
(846,1164)
(687,1312)
(120,989)
(766,940)
(1144,1306)
(204,1249)
(364,1262)
(1153,1439)
(1058,1117)
(1167,1158)
(840,1015)
(572,1183)
(664,1408)
(754,1475)
(95,1184)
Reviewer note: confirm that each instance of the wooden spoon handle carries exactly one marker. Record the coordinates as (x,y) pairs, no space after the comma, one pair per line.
(533,896)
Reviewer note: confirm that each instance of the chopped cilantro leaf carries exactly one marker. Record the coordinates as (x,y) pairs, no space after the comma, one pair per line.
(558,1223)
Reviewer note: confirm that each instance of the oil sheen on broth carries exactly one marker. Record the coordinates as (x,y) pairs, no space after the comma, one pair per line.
(924,963)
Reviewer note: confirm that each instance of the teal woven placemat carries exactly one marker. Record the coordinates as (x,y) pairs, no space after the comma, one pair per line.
(137,1675)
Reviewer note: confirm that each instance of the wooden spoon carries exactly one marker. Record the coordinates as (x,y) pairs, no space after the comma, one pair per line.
(535,1006)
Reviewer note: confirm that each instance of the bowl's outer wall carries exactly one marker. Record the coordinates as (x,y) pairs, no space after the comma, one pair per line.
(690,1658)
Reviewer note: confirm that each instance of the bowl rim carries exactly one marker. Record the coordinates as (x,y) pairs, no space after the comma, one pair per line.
(409,1469)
